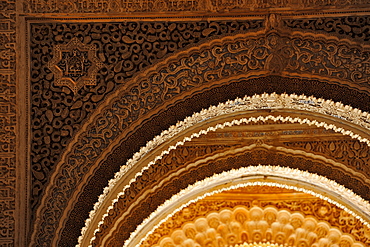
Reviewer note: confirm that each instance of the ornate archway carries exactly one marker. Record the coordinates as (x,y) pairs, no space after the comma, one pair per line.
(62,62)
(268,59)
(164,166)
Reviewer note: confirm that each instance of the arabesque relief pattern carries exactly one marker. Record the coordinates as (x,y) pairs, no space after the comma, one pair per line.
(350,27)
(172,185)
(57,114)
(8,123)
(106,6)
(55,110)
(125,49)
(352,153)
(224,58)
(75,65)
(229,223)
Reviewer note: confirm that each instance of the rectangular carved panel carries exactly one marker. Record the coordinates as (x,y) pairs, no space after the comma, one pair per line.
(7,123)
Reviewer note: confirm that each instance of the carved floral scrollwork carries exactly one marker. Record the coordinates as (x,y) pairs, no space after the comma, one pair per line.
(354,27)
(241,55)
(352,153)
(9,121)
(125,49)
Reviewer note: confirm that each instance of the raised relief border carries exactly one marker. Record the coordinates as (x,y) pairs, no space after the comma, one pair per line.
(7,124)
(110,6)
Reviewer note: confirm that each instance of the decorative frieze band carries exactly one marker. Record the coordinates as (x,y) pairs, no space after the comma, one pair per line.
(133,6)
(8,122)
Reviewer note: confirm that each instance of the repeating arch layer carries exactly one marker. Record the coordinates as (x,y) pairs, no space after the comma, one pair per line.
(251,176)
(265,101)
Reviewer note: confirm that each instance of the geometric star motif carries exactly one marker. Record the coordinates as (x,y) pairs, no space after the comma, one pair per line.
(75,65)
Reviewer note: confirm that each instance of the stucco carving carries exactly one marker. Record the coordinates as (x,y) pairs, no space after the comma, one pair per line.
(8,123)
(62,110)
(240,56)
(106,6)
(305,103)
(230,227)
(125,49)
(320,210)
(124,200)
(57,114)
(137,214)
(75,65)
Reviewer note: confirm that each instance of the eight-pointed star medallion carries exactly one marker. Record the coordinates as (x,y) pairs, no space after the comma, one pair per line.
(75,65)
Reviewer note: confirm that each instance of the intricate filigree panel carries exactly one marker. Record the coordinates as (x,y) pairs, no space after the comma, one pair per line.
(7,123)
(229,56)
(104,6)
(124,48)
(352,153)
(354,27)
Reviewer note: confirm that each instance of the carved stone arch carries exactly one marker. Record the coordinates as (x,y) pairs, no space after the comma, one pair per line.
(122,124)
(125,218)
(258,155)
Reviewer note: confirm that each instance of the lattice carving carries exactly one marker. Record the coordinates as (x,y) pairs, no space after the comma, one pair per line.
(55,113)
(8,121)
(229,225)
(354,27)
(106,6)
(125,49)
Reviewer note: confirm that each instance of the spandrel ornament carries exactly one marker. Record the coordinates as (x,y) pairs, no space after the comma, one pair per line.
(75,65)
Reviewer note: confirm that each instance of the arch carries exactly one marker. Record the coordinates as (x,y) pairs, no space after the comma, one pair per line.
(171,83)
(231,107)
